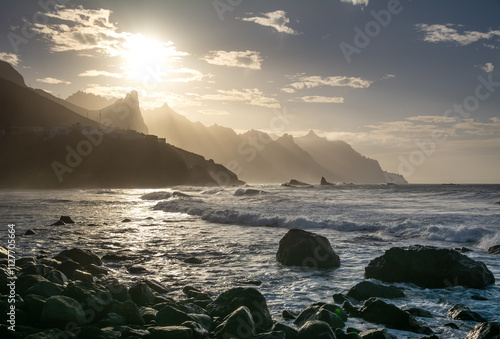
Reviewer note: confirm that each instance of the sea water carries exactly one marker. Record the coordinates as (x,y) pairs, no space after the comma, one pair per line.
(235,233)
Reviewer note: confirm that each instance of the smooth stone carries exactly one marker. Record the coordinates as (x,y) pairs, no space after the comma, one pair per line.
(126,220)
(156,286)
(315,329)
(45,289)
(238,324)
(311,312)
(290,333)
(339,334)
(83,257)
(429,267)
(129,310)
(366,289)
(230,300)
(33,304)
(96,270)
(288,315)
(68,268)
(193,260)
(418,312)
(306,249)
(136,269)
(82,276)
(141,294)
(171,316)
(57,277)
(118,290)
(113,320)
(148,314)
(24,282)
(60,310)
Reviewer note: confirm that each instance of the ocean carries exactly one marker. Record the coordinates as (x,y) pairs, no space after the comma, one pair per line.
(235,233)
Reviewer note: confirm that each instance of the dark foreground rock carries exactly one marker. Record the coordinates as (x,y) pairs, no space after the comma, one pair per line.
(302,248)
(485,331)
(379,312)
(366,289)
(316,329)
(379,333)
(58,311)
(429,267)
(462,312)
(231,300)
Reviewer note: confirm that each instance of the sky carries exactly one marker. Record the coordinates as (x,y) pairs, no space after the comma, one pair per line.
(413,84)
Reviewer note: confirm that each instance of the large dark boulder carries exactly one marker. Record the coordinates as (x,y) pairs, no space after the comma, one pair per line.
(231,300)
(378,333)
(462,312)
(485,331)
(366,289)
(83,257)
(141,294)
(379,312)
(59,310)
(238,324)
(171,316)
(329,313)
(429,267)
(302,248)
(316,329)
(494,249)
(171,332)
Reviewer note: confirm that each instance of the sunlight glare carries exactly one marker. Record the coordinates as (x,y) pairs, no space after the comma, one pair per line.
(145,57)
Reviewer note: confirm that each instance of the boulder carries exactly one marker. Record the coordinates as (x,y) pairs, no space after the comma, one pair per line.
(45,289)
(229,301)
(290,333)
(418,312)
(429,267)
(378,333)
(462,312)
(33,304)
(4,253)
(238,324)
(379,312)
(331,314)
(113,319)
(171,316)
(148,314)
(315,329)
(24,282)
(156,286)
(129,310)
(66,219)
(339,334)
(171,332)
(59,310)
(366,289)
(485,331)
(141,294)
(302,248)
(193,260)
(83,257)
(87,293)
(494,249)
(96,270)
(68,268)
(296,183)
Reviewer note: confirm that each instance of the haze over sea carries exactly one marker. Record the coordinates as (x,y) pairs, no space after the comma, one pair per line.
(235,233)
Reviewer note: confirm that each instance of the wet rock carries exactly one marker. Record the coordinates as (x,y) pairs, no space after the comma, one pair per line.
(379,333)
(174,332)
(379,312)
(290,333)
(462,249)
(418,312)
(57,277)
(315,329)
(288,315)
(115,257)
(339,298)
(24,282)
(45,289)
(129,310)
(60,310)
(302,248)
(171,316)
(112,320)
(339,334)
(89,294)
(96,270)
(311,313)
(82,276)
(494,249)
(148,314)
(198,330)
(452,325)
(33,304)
(66,219)
(4,253)
(135,333)
(478,297)
(238,324)
(270,335)
(126,220)
(462,312)
(296,183)
(485,331)
(366,289)
(83,257)
(429,267)
(141,294)
(118,290)
(52,333)
(248,282)
(58,223)
(29,232)
(68,268)
(156,286)
(193,260)
(229,301)
(137,269)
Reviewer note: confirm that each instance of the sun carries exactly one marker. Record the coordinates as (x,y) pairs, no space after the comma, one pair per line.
(145,57)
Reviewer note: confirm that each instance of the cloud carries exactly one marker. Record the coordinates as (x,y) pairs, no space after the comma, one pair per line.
(96,73)
(277,20)
(448,33)
(246,59)
(357,2)
(53,81)
(487,67)
(213,112)
(432,119)
(320,99)
(288,90)
(336,81)
(249,96)
(11,58)
(470,127)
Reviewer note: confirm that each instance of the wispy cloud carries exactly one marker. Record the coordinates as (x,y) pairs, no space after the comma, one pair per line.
(277,20)
(487,67)
(320,99)
(357,2)
(449,33)
(53,81)
(11,58)
(249,96)
(303,81)
(245,59)
(96,73)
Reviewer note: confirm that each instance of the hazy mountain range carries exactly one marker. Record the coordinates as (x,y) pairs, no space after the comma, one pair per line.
(253,156)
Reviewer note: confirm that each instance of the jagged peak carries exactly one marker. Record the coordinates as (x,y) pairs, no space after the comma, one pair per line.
(312,134)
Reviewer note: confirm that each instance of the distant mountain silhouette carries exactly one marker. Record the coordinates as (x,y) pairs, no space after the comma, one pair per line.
(45,144)
(257,157)
(89,101)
